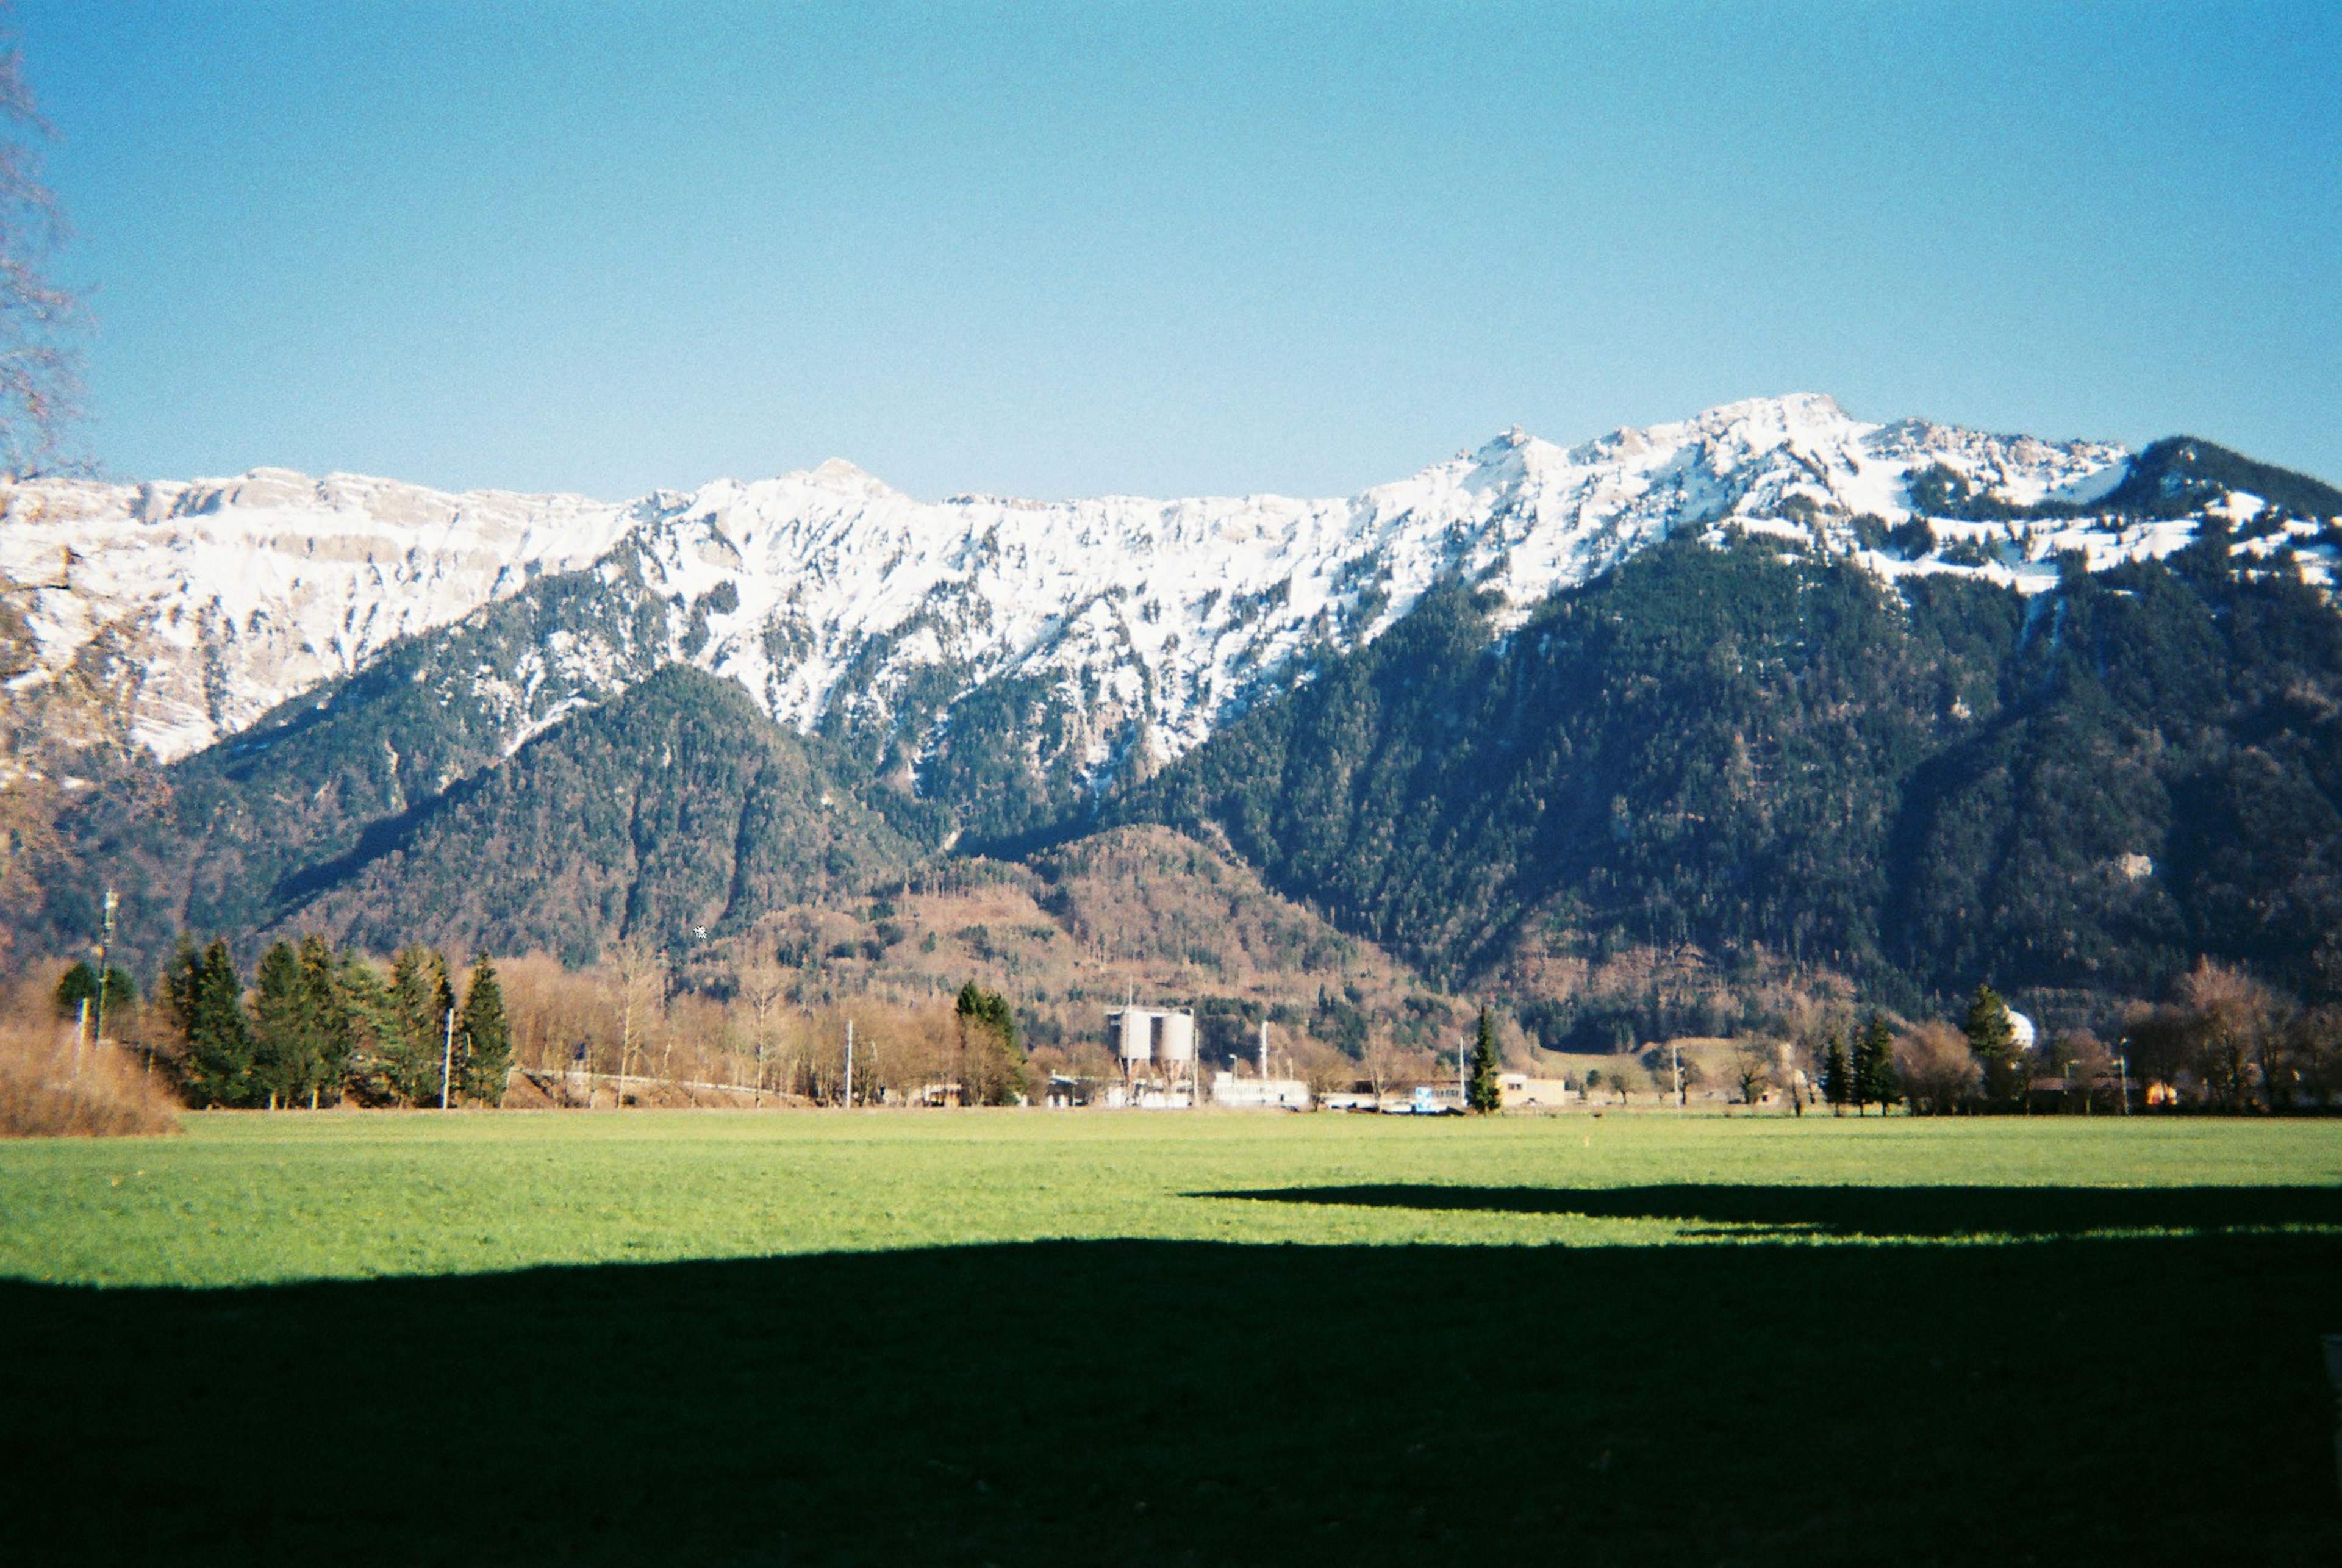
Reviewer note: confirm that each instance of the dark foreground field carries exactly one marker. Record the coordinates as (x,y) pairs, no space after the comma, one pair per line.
(1913,1373)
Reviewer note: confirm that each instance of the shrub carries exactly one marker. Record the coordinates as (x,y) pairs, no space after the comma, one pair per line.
(42,1096)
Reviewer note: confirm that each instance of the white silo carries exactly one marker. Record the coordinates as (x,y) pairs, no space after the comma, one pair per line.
(1156,1048)
(1177,1046)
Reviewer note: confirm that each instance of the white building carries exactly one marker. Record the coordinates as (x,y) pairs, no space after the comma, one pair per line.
(1261,1094)
(1518,1089)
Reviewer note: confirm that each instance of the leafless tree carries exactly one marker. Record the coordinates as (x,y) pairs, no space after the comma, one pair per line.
(762,984)
(2236,1021)
(636,976)
(2312,1068)
(40,360)
(1322,1067)
(2083,1061)
(1383,1058)
(1939,1073)
(1753,1063)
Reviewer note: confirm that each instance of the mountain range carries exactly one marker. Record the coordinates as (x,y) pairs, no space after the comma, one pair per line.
(1769,686)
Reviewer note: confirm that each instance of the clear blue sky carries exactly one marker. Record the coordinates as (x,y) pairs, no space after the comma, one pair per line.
(1175,248)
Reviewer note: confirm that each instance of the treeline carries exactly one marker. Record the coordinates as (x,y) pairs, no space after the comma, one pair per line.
(314,1025)
(2225,1041)
(637,1029)
(318,1026)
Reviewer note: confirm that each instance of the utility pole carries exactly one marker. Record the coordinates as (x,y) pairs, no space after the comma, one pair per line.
(2122,1080)
(848,1101)
(1264,1049)
(81,1027)
(105,946)
(1675,1051)
(447,1059)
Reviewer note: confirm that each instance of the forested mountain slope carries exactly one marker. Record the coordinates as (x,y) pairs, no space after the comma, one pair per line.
(218,842)
(1772,753)
(676,812)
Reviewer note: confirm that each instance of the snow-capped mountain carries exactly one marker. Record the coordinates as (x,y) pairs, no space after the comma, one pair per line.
(201,606)
(832,598)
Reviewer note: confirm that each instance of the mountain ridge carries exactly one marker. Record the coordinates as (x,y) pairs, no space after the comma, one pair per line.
(989,675)
(214,605)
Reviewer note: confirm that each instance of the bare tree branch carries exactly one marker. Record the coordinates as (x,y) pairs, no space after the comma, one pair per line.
(40,320)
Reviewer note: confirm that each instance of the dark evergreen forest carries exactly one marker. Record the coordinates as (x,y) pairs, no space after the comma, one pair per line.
(1743,750)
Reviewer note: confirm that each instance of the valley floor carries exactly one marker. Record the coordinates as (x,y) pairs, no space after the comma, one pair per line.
(1028,1337)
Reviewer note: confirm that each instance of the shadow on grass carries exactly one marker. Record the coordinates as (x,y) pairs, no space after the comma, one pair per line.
(2135,1400)
(1936,1212)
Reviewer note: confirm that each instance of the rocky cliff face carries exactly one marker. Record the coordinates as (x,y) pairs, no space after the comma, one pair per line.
(198,607)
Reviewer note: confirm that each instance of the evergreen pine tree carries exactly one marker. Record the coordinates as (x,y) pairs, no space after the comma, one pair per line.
(175,988)
(1994,1040)
(993,1065)
(1482,1092)
(219,1065)
(285,1029)
(1874,1065)
(79,984)
(373,1038)
(329,1011)
(421,998)
(1837,1076)
(1858,1071)
(76,987)
(484,1036)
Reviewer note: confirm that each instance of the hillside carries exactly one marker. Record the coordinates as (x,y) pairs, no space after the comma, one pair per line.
(1749,759)
(223,840)
(677,810)
(1068,934)
(200,605)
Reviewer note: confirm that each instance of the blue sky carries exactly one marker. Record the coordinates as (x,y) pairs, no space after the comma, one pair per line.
(1177,248)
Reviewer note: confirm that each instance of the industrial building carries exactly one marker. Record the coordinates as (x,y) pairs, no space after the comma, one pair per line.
(1155,1049)
(1259,1093)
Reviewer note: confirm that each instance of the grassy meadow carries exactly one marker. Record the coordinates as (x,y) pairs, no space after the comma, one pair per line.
(1029,1337)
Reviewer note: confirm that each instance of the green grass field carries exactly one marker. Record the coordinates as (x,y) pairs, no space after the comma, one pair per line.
(1025,1337)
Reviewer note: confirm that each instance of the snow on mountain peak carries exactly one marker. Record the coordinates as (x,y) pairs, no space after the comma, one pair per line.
(826,592)
(208,602)
(837,474)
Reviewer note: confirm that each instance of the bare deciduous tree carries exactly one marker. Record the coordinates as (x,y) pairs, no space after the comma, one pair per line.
(1382,1059)
(2237,1020)
(763,983)
(2312,1071)
(636,975)
(40,362)
(2083,1061)
(1939,1073)
(1322,1067)
(1754,1060)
